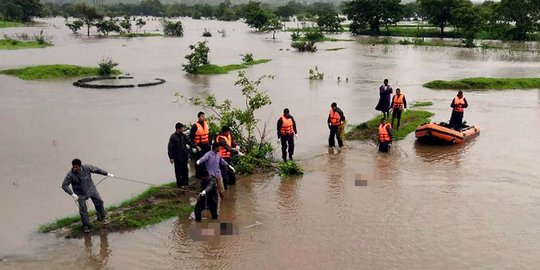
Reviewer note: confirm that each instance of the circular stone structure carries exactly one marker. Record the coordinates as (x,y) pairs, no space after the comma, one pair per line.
(88,82)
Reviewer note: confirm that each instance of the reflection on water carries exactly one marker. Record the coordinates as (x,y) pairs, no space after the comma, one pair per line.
(97,260)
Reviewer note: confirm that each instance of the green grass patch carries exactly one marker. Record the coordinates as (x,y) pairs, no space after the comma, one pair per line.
(323,39)
(421,104)
(289,168)
(410,120)
(311,29)
(5,24)
(153,206)
(133,35)
(481,83)
(12,44)
(211,69)
(47,72)
(335,49)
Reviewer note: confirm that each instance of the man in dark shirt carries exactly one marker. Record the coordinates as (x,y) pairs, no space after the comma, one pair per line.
(286,131)
(80,179)
(179,154)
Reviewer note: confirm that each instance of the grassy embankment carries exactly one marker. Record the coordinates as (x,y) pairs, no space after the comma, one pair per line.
(486,83)
(215,69)
(410,120)
(5,24)
(421,104)
(153,206)
(12,44)
(59,71)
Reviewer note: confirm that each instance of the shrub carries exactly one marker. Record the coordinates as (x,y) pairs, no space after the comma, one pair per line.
(106,66)
(289,168)
(172,28)
(75,26)
(314,74)
(206,33)
(314,36)
(197,58)
(247,58)
(304,46)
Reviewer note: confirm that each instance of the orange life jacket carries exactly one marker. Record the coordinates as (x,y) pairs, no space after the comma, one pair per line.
(335,118)
(223,152)
(286,126)
(458,104)
(398,102)
(202,133)
(384,136)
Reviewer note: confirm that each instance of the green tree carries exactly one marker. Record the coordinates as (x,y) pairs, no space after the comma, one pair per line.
(107,26)
(88,14)
(329,22)
(75,26)
(171,28)
(126,24)
(524,13)
(370,14)
(197,58)
(151,8)
(469,19)
(288,10)
(20,10)
(439,12)
(140,23)
(258,17)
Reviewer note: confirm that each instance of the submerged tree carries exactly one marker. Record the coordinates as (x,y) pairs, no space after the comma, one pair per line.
(106,26)
(197,58)
(172,28)
(88,14)
(329,22)
(75,26)
(470,20)
(439,12)
(370,14)
(524,13)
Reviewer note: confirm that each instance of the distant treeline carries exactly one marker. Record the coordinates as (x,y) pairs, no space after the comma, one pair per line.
(504,20)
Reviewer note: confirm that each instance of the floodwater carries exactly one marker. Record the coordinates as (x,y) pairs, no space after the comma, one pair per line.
(472,206)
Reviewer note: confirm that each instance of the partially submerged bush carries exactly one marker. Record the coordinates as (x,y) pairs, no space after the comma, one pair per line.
(106,66)
(289,168)
(197,58)
(247,58)
(75,26)
(304,46)
(171,28)
(206,33)
(314,74)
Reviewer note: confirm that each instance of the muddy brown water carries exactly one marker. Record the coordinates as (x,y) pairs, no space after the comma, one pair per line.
(475,205)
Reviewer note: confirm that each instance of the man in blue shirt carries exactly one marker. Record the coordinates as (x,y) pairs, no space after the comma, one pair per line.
(212,184)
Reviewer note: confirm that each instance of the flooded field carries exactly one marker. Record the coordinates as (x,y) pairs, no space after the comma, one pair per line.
(471,206)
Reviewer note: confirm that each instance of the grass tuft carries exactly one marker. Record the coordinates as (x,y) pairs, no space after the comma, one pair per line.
(47,72)
(410,120)
(215,69)
(289,168)
(12,44)
(480,83)
(421,104)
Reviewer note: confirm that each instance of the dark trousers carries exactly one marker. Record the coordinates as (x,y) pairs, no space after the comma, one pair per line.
(83,210)
(456,120)
(229,177)
(200,170)
(396,113)
(209,201)
(334,132)
(384,147)
(181,172)
(287,141)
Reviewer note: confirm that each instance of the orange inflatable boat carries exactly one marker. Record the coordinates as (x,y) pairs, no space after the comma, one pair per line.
(441,133)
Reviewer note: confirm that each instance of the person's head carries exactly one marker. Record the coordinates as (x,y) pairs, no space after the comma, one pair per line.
(76,165)
(201,116)
(226,130)
(286,111)
(333,106)
(216,146)
(179,127)
(383,120)
(460,94)
(385,81)
(398,91)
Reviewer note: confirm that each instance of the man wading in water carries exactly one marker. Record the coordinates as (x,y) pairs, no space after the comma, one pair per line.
(80,179)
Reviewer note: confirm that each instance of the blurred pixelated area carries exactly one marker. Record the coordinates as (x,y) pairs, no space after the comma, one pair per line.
(212,230)
(360,181)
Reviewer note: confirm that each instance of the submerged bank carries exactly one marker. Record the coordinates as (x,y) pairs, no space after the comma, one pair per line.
(211,69)
(481,83)
(156,204)
(410,120)
(58,71)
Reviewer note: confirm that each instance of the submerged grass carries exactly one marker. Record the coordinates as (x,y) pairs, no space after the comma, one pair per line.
(46,72)
(410,120)
(481,83)
(133,35)
(153,206)
(323,39)
(5,24)
(421,104)
(335,49)
(12,44)
(215,69)
(289,168)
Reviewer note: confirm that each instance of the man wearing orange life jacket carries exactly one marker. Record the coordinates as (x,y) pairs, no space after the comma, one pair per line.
(385,136)
(227,150)
(459,103)
(286,131)
(399,104)
(335,120)
(200,135)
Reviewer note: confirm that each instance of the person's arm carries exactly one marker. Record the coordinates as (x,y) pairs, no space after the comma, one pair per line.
(404,102)
(452,105)
(192,132)
(210,186)
(279,124)
(389,130)
(466,103)
(204,158)
(189,141)
(392,103)
(170,148)
(341,115)
(294,125)
(329,120)
(223,163)
(223,143)
(390,90)
(65,185)
(94,169)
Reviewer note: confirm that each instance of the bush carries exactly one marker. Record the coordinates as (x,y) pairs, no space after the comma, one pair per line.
(41,39)
(75,26)
(314,36)
(289,168)
(304,46)
(198,57)
(206,33)
(314,74)
(247,58)
(106,66)
(174,29)
(295,36)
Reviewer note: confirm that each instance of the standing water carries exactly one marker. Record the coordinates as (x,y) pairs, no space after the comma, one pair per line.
(475,205)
